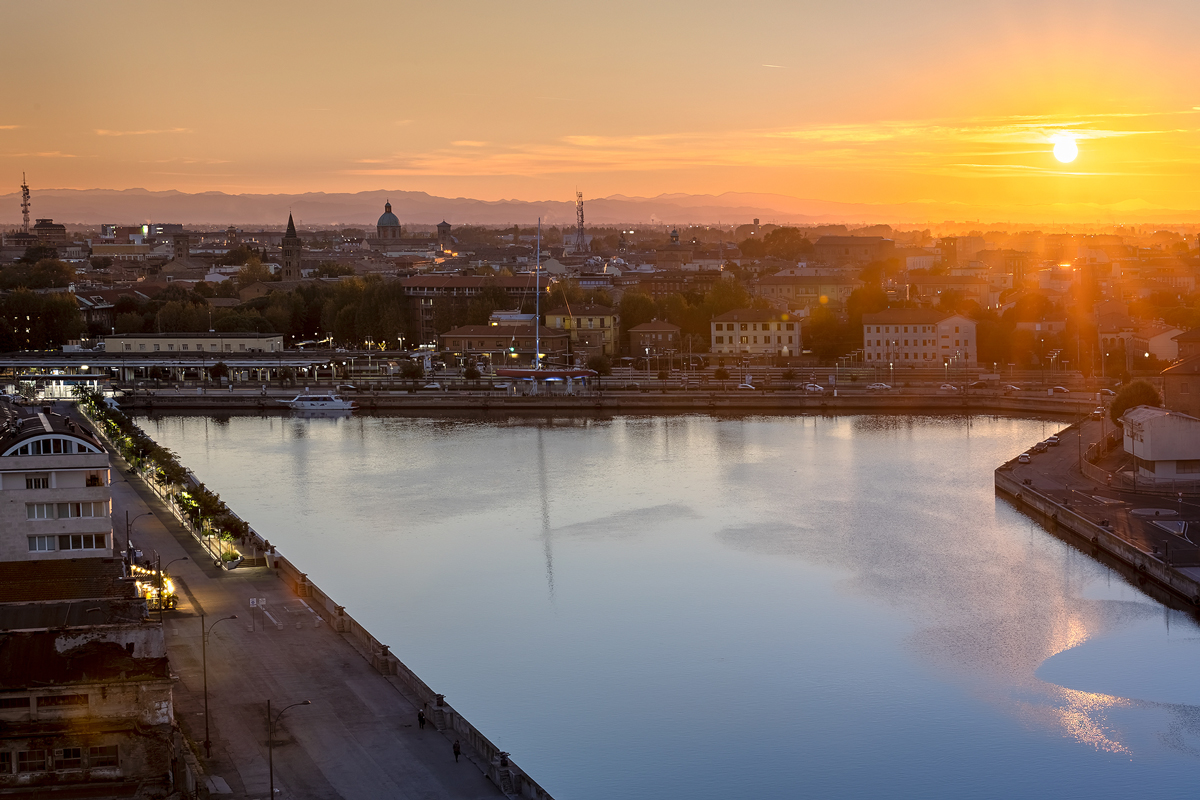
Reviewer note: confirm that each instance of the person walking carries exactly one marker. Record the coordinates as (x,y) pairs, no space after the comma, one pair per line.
(457,751)
(421,719)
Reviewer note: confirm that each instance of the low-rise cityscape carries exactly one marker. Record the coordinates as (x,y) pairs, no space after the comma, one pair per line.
(449,402)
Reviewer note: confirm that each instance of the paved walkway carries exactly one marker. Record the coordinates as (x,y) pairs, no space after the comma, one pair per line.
(358,739)
(1055,473)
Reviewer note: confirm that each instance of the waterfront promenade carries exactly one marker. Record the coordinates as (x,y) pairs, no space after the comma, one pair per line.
(359,738)
(1135,526)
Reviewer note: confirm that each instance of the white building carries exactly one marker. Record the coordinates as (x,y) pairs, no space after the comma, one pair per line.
(1165,445)
(56,476)
(912,336)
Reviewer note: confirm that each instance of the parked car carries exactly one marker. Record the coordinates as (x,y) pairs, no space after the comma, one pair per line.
(977,385)
(1023,458)
(1060,390)
(1009,388)
(947,387)
(436,387)
(1041,447)
(877,387)
(1052,441)
(1097,412)
(814,388)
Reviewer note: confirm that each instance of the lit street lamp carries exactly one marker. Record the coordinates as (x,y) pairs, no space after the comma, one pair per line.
(271,740)
(204,661)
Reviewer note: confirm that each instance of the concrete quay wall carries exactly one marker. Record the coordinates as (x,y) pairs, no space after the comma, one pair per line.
(636,403)
(494,762)
(1144,563)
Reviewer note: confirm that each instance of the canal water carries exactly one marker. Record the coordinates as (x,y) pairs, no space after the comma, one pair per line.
(760,607)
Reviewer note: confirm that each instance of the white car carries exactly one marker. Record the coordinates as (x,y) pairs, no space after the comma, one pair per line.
(1023,458)
(948,387)
(745,386)
(877,387)
(814,387)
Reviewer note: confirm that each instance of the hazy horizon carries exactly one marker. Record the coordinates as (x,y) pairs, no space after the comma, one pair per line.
(950,110)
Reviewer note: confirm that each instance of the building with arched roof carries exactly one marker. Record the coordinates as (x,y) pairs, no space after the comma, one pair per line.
(55,473)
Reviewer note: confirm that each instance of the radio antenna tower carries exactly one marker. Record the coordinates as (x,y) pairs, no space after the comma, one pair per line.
(580,238)
(24,204)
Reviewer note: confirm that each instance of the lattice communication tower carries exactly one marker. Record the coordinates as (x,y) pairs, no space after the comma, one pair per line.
(580,237)
(24,204)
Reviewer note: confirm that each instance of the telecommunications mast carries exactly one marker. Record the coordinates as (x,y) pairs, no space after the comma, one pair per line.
(580,239)
(25,204)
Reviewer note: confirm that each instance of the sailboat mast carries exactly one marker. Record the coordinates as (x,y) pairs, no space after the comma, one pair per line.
(537,288)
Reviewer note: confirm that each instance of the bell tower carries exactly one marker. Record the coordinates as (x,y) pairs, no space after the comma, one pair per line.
(292,247)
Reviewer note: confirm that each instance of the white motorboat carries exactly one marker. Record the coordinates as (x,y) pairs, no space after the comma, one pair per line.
(320,402)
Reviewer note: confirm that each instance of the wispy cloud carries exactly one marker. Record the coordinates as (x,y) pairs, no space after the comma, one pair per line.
(9,127)
(104,132)
(1000,145)
(50,154)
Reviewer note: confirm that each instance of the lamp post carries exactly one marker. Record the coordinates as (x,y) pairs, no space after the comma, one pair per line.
(158,562)
(271,740)
(204,661)
(129,530)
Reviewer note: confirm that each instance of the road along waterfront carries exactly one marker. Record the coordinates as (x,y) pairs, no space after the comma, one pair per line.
(742,606)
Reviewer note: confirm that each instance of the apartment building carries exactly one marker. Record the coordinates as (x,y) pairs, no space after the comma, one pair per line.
(56,476)
(751,332)
(912,336)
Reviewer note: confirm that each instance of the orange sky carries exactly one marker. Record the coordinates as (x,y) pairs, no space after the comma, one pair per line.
(950,104)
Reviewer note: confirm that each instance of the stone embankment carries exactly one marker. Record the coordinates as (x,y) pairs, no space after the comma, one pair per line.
(504,773)
(1099,537)
(654,402)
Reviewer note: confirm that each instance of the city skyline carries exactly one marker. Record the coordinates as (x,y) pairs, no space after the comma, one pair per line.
(953,111)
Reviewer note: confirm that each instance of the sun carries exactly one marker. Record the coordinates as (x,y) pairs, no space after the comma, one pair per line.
(1065,149)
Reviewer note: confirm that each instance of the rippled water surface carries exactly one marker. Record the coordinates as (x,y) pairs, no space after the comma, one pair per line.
(766,607)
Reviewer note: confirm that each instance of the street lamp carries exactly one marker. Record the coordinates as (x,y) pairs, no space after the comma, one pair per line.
(204,661)
(158,562)
(271,740)
(129,530)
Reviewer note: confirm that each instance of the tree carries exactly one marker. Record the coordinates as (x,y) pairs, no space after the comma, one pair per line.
(1138,393)
(721,374)
(39,252)
(412,370)
(471,373)
(601,364)
(254,272)
(788,244)
(218,371)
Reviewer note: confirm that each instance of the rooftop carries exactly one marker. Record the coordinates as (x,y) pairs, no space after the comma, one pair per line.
(18,423)
(31,659)
(64,579)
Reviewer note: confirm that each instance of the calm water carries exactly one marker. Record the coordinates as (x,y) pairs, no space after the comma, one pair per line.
(714,608)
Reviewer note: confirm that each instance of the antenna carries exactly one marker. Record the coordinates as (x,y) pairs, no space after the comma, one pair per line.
(580,239)
(25,204)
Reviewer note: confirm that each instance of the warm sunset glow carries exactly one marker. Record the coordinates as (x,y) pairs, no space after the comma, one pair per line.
(1065,149)
(957,131)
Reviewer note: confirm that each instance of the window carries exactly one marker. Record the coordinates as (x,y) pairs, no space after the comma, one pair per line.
(1183,388)
(41,544)
(170,347)
(95,478)
(1187,466)
(791,326)
(956,329)
(14,702)
(789,340)
(745,327)
(82,541)
(37,481)
(39,511)
(5,763)
(720,340)
(157,348)
(68,758)
(104,756)
(745,339)
(56,700)
(756,340)
(128,346)
(141,347)
(184,347)
(31,761)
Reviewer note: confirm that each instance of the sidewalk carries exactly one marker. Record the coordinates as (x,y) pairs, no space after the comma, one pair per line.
(358,739)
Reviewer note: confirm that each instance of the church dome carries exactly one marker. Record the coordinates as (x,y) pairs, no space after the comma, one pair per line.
(388,219)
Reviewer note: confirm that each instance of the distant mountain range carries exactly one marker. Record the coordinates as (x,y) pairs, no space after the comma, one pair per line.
(318,209)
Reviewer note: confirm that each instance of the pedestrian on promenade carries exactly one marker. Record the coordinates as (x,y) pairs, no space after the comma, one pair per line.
(421,719)
(457,751)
